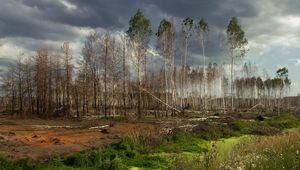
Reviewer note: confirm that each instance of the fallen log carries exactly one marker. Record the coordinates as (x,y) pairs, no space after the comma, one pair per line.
(99,127)
(259,104)
(49,127)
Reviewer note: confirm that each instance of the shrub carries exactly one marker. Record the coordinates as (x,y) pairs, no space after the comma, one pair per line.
(181,142)
(284,121)
(77,160)
(182,162)
(5,164)
(22,164)
(117,164)
(127,146)
(55,161)
(243,125)
(25,164)
(96,158)
(146,161)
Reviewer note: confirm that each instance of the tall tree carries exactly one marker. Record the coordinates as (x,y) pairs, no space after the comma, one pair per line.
(202,31)
(187,28)
(139,32)
(68,66)
(166,37)
(283,82)
(237,47)
(91,54)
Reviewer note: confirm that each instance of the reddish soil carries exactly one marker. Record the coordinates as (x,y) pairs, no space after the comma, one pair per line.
(38,139)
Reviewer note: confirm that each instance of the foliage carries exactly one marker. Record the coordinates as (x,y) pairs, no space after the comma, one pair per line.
(139,26)
(23,164)
(236,38)
(181,142)
(163,26)
(284,121)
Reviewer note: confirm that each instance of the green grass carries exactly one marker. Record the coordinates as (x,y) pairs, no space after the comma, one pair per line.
(181,142)
(284,121)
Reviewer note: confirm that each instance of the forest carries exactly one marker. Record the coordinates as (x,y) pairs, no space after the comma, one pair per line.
(116,76)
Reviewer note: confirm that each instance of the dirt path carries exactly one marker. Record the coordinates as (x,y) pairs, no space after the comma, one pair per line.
(38,139)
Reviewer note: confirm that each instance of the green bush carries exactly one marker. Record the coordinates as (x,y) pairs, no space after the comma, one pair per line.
(22,164)
(5,164)
(96,158)
(284,121)
(128,147)
(243,125)
(180,142)
(77,160)
(146,161)
(117,164)
(183,162)
(25,164)
(55,160)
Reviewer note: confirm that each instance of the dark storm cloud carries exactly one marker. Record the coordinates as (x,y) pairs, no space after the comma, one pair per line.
(103,13)
(217,12)
(40,18)
(54,20)
(17,20)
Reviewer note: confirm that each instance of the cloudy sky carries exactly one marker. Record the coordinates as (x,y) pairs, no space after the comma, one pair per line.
(272,27)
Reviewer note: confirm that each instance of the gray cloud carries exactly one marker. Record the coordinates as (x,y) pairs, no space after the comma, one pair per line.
(55,20)
(18,20)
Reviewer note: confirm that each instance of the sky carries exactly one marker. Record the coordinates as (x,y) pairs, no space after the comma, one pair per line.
(272,27)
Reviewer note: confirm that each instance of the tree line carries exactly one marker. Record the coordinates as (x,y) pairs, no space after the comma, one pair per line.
(115,75)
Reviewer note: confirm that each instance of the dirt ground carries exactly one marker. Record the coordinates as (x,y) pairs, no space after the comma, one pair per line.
(38,139)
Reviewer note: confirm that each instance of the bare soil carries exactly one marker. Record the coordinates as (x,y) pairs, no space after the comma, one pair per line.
(38,139)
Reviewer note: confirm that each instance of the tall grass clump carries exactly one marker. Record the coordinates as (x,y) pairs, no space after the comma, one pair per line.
(272,152)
